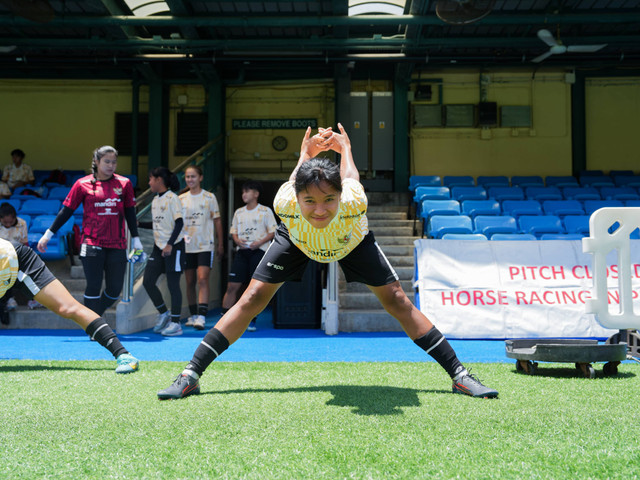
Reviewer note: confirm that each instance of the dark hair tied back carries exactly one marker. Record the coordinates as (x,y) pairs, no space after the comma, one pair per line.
(170,180)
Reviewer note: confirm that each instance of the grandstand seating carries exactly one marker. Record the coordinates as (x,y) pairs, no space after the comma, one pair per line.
(524,181)
(489,225)
(513,236)
(538,225)
(561,181)
(506,193)
(431,193)
(424,180)
(591,206)
(464,236)
(581,193)
(561,236)
(462,193)
(630,181)
(487,181)
(458,181)
(18,195)
(516,208)
(440,224)
(543,193)
(472,208)
(39,206)
(576,224)
(13,201)
(562,208)
(58,193)
(619,193)
(596,181)
(57,247)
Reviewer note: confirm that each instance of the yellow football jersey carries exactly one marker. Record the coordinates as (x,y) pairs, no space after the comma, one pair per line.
(336,240)
(8,266)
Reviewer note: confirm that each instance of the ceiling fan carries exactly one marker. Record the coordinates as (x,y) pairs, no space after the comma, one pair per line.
(556,47)
(462,12)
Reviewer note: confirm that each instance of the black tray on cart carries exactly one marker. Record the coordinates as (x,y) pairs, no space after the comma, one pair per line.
(582,353)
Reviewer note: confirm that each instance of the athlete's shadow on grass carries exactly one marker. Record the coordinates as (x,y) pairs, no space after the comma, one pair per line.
(363,399)
(40,368)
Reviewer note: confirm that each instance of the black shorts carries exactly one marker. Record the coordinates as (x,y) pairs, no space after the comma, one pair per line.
(173,263)
(245,262)
(365,264)
(198,259)
(33,274)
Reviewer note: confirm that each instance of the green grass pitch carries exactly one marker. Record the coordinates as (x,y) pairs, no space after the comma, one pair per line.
(315,421)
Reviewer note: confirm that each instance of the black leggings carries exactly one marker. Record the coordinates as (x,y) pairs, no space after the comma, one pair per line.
(172,266)
(101,263)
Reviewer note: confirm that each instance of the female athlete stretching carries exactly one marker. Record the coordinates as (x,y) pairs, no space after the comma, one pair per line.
(323,210)
(202,219)
(108,201)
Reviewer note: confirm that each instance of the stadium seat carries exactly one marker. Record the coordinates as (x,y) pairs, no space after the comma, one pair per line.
(468,193)
(440,224)
(524,181)
(431,193)
(424,180)
(428,208)
(590,173)
(58,193)
(596,181)
(561,181)
(39,206)
(489,225)
(458,181)
(40,190)
(576,224)
(16,202)
(133,179)
(561,236)
(591,206)
(40,176)
(620,173)
(506,193)
(562,208)
(543,193)
(57,246)
(513,236)
(581,193)
(619,193)
(516,208)
(26,218)
(632,203)
(629,181)
(465,236)
(473,208)
(538,225)
(488,181)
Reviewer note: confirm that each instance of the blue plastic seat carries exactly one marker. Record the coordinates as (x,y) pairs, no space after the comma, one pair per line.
(439,207)
(562,208)
(506,193)
(524,181)
(620,173)
(18,195)
(58,193)
(538,225)
(513,236)
(489,225)
(57,247)
(424,180)
(516,208)
(590,173)
(627,180)
(632,203)
(431,193)
(468,193)
(596,181)
(16,202)
(440,224)
(543,193)
(591,206)
(561,181)
(619,193)
(465,236)
(473,208)
(40,206)
(458,181)
(133,179)
(576,224)
(581,193)
(561,236)
(488,181)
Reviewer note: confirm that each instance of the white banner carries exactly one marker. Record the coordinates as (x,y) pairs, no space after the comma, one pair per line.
(513,289)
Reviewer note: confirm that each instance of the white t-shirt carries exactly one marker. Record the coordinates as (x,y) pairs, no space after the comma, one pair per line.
(252,225)
(165,210)
(198,212)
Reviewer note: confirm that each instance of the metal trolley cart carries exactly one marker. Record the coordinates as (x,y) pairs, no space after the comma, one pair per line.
(610,229)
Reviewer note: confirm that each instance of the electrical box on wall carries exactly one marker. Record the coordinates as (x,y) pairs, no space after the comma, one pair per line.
(488,114)
(427,115)
(459,115)
(515,116)
(382,131)
(358,131)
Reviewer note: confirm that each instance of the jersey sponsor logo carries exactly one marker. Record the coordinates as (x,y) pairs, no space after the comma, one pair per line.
(324,253)
(288,215)
(273,265)
(344,240)
(108,202)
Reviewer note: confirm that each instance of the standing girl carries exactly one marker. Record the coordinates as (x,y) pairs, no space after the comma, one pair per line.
(168,250)
(202,220)
(108,202)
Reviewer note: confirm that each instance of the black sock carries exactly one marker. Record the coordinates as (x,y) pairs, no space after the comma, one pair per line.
(175,319)
(99,331)
(434,343)
(105,302)
(162,308)
(193,309)
(212,345)
(203,308)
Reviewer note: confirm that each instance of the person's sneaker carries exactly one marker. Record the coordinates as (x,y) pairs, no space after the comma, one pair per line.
(173,330)
(198,322)
(127,363)
(468,384)
(190,321)
(252,326)
(162,322)
(183,386)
